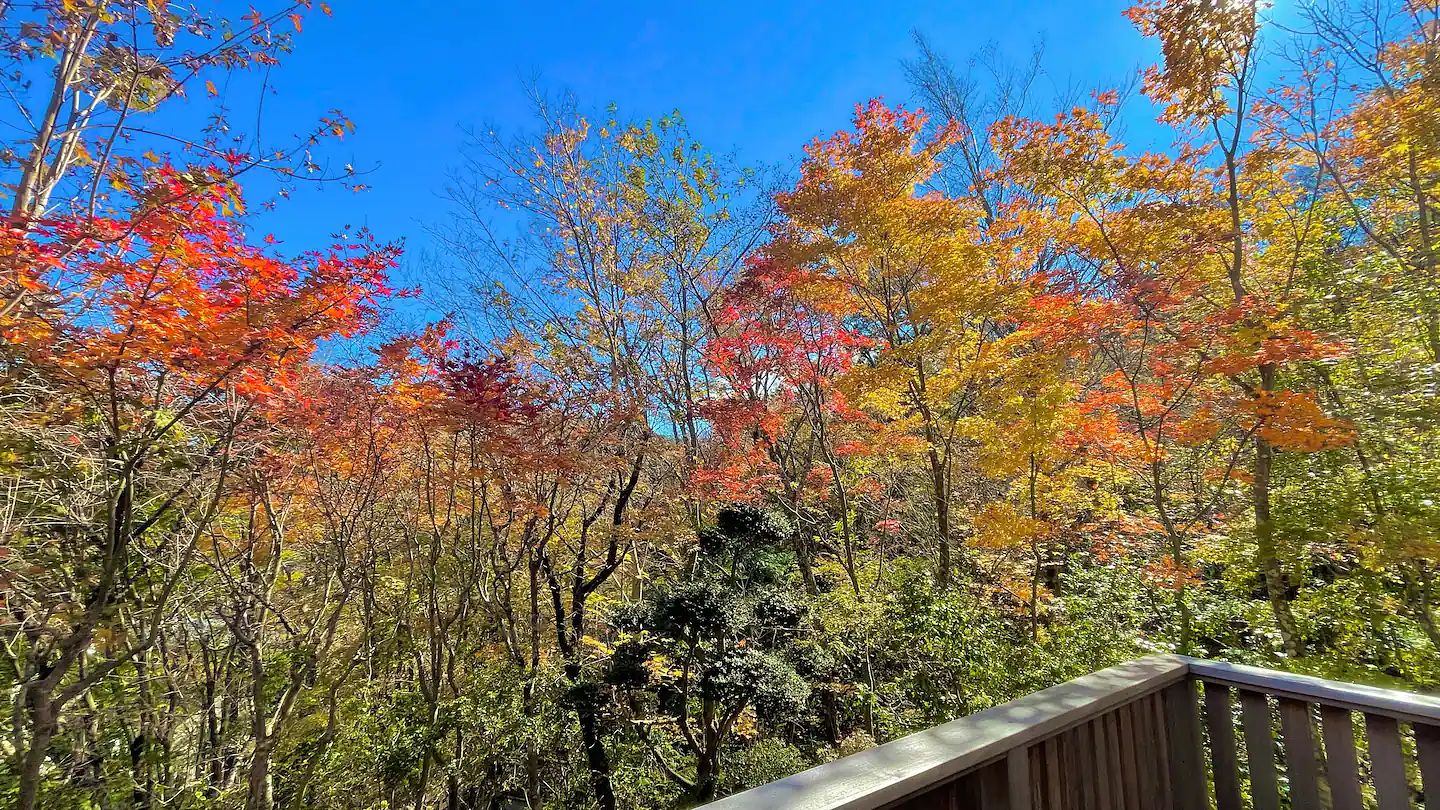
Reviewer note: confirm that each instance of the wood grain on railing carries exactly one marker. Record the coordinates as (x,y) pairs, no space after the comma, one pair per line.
(1161,733)
(1387,762)
(972,762)
(1260,740)
(1427,746)
(1328,770)
(1108,761)
(1342,767)
(1220,726)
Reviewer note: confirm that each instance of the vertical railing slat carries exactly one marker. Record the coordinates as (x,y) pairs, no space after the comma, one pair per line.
(1146,748)
(1037,775)
(1220,723)
(1017,777)
(1140,751)
(1053,798)
(1103,765)
(1260,750)
(1427,750)
(1162,744)
(1115,753)
(1187,764)
(1300,762)
(984,789)
(1387,763)
(1089,774)
(1067,770)
(1090,766)
(1129,747)
(1342,769)
(1114,745)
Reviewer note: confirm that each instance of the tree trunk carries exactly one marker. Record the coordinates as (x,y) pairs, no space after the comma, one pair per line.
(1267,558)
(44,723)
(707,764)
(261,788)
(942,518)
(420,789)
(1417,599)
(802,557)
(596,757)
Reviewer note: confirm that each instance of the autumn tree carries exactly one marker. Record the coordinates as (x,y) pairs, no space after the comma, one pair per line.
(781,430)
(1354,104)
(634,234)
(906,270)
(1269,230)
(176,340)
(97,72)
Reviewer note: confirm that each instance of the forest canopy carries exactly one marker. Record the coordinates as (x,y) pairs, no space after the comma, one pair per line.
(709,473)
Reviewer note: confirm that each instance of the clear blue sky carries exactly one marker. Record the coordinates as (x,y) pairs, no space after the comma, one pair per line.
(757,78)
(761,78)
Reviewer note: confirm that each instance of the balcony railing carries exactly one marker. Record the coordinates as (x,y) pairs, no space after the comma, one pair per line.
(1162,733)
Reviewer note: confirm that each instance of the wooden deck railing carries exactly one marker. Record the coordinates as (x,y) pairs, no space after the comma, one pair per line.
(1161,733)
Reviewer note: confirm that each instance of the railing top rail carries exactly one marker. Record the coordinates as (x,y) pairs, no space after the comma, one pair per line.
(897,769)
(1399,704)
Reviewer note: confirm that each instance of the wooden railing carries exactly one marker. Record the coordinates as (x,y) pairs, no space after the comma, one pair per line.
(1161,733)
(1397,761)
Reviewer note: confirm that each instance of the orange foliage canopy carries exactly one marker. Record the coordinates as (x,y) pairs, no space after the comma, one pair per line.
(173,304)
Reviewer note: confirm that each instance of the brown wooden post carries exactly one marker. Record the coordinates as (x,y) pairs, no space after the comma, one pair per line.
(1427,745)
(1187,759)
(1017,767)
(1387,763)
(1342,768)
(1300,762)
(1260,750)
(1220,724)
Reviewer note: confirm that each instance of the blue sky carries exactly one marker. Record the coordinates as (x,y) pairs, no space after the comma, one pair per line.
(759,79)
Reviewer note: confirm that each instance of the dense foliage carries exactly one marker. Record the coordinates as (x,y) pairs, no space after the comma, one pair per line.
(710,477)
